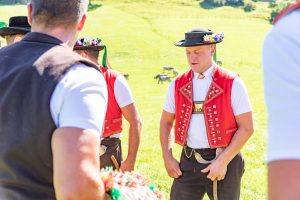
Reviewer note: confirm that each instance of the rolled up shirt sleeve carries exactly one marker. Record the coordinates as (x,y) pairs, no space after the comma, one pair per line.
(170,99)
(240,102)
(122,92)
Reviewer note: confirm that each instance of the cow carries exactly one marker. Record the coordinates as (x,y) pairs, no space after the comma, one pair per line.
(162,77)
(167,68)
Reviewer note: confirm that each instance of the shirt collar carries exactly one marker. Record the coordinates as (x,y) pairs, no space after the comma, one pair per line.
(42,38)
(208,73)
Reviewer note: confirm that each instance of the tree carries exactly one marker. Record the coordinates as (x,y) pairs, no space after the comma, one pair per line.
(278,6)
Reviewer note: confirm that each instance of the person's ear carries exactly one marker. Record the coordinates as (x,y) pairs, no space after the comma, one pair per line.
(83,53)
(29,13)
(81,23)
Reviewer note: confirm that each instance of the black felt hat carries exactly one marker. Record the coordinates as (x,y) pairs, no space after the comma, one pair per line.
(17,25)
(199,37)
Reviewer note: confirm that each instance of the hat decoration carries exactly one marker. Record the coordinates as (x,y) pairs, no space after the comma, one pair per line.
(86,42)
(129,185)
(95,44)
(3,24)
(215,37)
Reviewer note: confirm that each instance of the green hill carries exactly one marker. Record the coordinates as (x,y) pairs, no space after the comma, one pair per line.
(140,36)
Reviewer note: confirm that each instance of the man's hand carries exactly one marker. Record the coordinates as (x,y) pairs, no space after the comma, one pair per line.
(127,165)
(216,170)
(166,141)
(172,167)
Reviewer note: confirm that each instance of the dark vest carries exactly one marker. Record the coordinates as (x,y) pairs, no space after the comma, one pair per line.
(29,73)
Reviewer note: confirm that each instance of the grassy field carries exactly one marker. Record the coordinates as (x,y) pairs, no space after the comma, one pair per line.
(140,37)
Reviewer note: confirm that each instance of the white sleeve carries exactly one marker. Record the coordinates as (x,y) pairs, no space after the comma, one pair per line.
(239,97)
(170,99)
(122,92)
(281,64)
(80,99)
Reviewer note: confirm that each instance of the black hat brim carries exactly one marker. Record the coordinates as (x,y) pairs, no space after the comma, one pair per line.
(186,43)
(13,31)
(91,48)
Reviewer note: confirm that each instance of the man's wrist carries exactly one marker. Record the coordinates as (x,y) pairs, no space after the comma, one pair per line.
(167,155)
(131,159)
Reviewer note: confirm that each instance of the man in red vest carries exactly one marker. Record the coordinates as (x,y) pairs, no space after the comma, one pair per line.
(213,121)
(281,64)
(120,103)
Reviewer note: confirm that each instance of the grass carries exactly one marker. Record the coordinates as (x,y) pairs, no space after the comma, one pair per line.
(140,37)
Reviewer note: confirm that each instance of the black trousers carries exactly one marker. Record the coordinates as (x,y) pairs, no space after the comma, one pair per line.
(113,146)
(193,184)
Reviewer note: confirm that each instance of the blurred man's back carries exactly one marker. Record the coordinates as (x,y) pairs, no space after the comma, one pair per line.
(43,140)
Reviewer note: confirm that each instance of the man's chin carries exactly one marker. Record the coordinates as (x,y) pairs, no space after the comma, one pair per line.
(194,65)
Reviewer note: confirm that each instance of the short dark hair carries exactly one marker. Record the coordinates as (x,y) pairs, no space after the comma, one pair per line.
(91,53)
(58,12)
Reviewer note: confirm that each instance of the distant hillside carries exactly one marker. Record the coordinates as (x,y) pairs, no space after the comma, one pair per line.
(14,1)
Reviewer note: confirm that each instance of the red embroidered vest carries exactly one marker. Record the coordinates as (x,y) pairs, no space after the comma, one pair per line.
(286,11)
(113,118)
(218,114)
